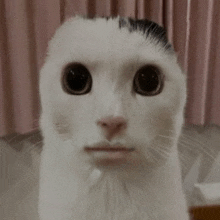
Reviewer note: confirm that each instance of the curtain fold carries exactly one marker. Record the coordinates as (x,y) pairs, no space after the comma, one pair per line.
(203,64)
(26,26)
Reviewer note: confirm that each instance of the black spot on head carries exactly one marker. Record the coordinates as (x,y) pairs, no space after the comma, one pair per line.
(122,22)
(148,28)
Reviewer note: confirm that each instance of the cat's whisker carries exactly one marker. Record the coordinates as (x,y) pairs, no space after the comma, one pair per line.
(163,149)
(12,139)
(169,138)
(155,158)
(184,167)
(19,137)
(188,145)
(200,148)
(34,137)
(160,151)
(166,136)
(184,161)
(173,132)
(22,154)
(188,137)
(202,151)
(149,155)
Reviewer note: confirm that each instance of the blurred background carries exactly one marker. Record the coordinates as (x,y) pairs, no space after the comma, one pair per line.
(26,26)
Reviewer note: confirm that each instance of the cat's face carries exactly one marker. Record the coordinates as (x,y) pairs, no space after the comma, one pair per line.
(111,94)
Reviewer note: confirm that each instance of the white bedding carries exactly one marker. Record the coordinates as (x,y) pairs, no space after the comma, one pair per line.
(199,153)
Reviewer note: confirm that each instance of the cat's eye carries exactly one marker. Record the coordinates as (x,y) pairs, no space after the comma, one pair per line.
(148,81)
(76,79)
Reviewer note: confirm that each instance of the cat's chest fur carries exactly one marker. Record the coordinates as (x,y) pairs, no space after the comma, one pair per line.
(113,98)
(112,195)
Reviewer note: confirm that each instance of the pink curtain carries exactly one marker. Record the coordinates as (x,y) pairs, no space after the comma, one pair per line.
(203,62)
(25,28)
(27,25)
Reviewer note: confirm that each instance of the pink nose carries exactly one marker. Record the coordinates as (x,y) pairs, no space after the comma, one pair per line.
(112,126)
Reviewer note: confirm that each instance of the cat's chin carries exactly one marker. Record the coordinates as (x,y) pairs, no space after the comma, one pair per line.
(110,158)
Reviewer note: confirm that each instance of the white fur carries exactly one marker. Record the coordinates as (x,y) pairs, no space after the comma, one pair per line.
(71,187)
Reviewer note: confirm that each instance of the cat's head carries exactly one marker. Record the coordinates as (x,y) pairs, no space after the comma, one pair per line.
(112,92)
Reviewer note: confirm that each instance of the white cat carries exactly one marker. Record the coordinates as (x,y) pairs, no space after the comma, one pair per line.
(113,98)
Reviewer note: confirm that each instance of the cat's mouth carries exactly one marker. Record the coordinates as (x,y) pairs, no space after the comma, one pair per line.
(109,149)
(109,154)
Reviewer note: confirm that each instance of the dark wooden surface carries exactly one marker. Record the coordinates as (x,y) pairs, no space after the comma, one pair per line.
(205,212)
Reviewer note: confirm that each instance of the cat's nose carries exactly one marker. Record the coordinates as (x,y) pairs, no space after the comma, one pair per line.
(112,126)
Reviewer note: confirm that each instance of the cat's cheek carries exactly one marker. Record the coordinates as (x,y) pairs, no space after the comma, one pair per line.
(148,113)
(62,126)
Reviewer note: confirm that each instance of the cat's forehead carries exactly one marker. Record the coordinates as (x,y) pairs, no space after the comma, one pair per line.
(110,39)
